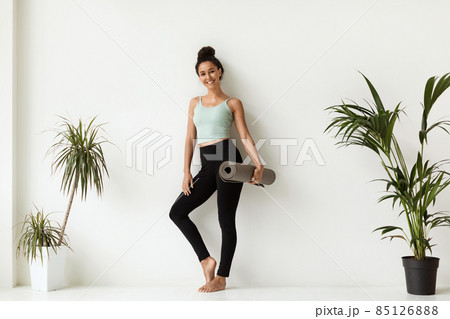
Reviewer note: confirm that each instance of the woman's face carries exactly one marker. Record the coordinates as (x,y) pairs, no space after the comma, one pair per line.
(209,74)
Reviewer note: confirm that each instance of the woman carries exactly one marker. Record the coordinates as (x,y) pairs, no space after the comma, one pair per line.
(209,121)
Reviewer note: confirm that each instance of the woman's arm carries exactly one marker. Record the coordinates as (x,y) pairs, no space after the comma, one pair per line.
(247,140)
(191,135)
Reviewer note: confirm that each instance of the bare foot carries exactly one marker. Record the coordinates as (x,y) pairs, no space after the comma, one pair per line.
(208,265)
(218,283)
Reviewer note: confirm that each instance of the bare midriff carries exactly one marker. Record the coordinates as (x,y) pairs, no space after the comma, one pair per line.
(212,142)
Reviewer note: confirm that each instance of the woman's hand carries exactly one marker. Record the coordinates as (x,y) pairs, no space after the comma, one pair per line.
(257,175)
(186,181)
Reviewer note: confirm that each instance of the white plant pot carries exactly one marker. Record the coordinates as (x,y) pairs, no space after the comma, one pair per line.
(48,275)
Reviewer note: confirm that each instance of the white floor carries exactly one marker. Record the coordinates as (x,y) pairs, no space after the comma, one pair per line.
(395,293)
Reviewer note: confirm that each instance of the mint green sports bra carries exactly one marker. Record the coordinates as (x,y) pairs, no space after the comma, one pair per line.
(212,123)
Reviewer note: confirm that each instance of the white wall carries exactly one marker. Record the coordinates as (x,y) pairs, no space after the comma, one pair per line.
(7,136)
(132,62)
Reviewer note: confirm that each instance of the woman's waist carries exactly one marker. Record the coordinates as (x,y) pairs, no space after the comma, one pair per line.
(211,142)
(224,150)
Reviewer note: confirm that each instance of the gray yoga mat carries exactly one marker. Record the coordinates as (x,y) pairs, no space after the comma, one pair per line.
(241,173)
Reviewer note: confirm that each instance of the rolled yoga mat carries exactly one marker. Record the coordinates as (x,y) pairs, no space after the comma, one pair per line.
(241,173)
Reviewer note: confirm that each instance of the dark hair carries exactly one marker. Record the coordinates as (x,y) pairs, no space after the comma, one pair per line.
(207,54)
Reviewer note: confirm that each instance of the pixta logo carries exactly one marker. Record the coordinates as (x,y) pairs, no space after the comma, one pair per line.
(149,147)
(308,151)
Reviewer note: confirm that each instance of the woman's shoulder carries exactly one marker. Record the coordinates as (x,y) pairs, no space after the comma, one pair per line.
(234,103)
(195,100)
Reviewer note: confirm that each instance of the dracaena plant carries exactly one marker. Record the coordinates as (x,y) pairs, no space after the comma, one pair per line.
(80,156)
(38,233)
(414,188)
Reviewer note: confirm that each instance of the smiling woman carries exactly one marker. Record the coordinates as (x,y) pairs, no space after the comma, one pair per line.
(209,121)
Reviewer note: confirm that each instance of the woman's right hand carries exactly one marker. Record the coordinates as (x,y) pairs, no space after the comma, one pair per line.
(186,181)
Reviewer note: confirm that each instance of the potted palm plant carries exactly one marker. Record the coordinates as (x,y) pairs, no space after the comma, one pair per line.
(39,240)
(414,188)
(80,155)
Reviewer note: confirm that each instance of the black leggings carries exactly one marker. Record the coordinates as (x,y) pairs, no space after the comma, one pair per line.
(206,182)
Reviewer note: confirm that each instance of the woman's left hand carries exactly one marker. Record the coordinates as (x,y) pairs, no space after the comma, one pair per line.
(257,175)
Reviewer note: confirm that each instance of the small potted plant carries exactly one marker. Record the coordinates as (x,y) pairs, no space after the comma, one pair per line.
(39,243)
(80,155)
(414,188)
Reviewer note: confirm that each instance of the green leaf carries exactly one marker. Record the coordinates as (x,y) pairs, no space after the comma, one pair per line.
(375,95)
(428,95)
(387,229)
(395,236)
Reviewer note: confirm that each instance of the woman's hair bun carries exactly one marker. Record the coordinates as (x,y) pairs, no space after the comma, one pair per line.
(205,52)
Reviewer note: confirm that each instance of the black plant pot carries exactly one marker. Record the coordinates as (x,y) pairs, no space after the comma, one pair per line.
(420,275)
